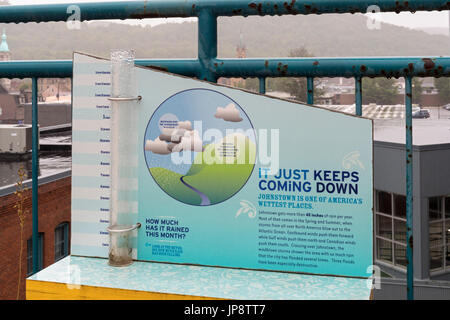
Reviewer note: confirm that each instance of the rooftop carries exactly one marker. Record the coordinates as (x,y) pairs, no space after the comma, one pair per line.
(425,131)
(389,124)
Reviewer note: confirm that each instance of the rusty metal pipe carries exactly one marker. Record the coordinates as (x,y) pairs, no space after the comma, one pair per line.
(389,67)
(273,67)
(191,8)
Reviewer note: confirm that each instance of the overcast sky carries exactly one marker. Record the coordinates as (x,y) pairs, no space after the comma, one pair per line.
(417,20)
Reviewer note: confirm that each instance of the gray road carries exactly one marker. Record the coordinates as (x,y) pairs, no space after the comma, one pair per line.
(204,197)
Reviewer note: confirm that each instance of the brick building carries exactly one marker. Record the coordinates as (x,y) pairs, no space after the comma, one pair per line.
(53,89)
(10,112)
(54,230)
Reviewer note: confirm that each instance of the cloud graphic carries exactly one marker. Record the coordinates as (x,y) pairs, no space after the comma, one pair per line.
(191,141)
(184,125)
(165,137)
(177,134)
(229,113)
(181,138)
(157,146)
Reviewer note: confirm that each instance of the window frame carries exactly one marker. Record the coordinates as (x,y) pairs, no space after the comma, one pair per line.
(64,226)
(444,246)
(30,253)
(393,218)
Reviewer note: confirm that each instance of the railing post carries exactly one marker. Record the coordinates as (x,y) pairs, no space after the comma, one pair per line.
(358,96)
(310,88)
(409,188)
(35,174)
(262,85)
(207,44)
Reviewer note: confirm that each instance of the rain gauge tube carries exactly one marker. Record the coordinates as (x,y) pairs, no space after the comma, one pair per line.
(124,159)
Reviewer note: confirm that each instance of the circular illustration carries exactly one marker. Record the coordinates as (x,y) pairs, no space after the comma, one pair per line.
(200,147)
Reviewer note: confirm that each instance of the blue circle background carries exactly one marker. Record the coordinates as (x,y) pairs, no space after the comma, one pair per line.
(194,105)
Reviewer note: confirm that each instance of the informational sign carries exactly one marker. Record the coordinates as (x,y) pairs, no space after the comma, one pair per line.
(227,177)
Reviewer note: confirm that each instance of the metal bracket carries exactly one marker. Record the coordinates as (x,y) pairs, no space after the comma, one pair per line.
(138,98)
(131,228)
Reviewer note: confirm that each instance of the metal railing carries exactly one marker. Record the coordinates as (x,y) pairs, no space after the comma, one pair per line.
(208,67)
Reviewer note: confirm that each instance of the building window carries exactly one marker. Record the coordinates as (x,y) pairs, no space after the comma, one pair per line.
(390,228)
(439,232)
(61,241)
(30,253)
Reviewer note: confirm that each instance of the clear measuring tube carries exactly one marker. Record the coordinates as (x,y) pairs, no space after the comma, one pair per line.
(124,158)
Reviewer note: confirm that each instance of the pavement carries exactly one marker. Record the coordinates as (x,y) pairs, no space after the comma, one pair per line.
(389,124)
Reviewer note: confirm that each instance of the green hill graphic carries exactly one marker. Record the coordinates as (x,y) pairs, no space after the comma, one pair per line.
(217,173)
(170,182)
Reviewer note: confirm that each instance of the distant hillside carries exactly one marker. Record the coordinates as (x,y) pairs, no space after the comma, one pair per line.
(329,35)
(436,31)
(324,35)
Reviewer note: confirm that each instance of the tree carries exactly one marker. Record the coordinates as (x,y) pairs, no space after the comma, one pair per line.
(379,90)
(24,86)
(443,87)
(22,212)
(251,84)
(296,87)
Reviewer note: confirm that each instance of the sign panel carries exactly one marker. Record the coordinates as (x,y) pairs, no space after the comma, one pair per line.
(227,177)
(90,156)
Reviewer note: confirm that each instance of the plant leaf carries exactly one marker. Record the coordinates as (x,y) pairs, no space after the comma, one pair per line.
(244,203)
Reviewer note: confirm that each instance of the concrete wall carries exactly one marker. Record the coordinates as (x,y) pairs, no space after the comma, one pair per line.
(50,114)
(423,290)
(435,170)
